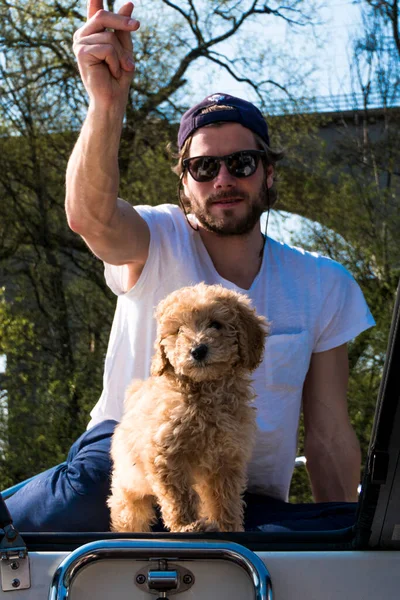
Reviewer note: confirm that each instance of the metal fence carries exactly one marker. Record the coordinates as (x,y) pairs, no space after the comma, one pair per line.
(333,103)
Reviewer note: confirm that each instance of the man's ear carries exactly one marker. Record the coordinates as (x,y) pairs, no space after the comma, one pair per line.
(183,194)
(184,183)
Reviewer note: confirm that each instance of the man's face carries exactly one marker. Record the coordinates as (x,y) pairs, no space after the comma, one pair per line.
(227,205)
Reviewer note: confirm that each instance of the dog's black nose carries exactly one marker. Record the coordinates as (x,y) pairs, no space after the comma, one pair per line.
(200,352)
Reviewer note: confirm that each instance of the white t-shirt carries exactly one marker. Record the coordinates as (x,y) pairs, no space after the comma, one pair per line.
(313,304)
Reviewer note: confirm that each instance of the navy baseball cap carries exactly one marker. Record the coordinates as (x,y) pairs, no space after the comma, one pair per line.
(239,111)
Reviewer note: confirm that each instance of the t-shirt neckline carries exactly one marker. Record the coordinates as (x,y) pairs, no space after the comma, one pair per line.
(226,282)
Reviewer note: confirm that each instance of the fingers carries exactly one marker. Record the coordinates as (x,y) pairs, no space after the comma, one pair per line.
(95,43)
(105,20)
(106,37)
(126,9)
(125,36)
(93,6)
(121,23)
(107,53)
(112,51)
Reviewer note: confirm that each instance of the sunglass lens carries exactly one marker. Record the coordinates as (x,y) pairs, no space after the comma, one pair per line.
(242,164)
(204,168)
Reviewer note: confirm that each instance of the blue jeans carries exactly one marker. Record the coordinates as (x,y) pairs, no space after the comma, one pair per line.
(72,497)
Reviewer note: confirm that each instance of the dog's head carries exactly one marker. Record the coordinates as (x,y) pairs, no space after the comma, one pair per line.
(206,332)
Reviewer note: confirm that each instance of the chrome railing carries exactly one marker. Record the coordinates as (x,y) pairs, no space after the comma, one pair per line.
(160,549)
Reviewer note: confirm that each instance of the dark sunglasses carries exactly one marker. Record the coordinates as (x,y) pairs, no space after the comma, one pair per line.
(239,164)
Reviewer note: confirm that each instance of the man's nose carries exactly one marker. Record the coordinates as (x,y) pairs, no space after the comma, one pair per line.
(224,178)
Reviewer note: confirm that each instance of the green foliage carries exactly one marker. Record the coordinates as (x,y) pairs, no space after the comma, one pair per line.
(146,176)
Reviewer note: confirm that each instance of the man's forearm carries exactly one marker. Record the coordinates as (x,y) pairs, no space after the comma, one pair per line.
(334,468)
(92,179)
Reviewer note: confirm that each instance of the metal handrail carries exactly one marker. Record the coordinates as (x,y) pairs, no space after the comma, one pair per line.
(160,549)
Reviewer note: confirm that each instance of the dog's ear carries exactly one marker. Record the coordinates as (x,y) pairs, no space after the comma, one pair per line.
(252,332)
(160,361)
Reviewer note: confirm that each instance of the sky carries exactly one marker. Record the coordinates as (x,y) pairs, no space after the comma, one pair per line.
(325,48)
(282,225)
(343,22)
(329,53)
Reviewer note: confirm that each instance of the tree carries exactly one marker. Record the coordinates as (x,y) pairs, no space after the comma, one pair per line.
(387,13)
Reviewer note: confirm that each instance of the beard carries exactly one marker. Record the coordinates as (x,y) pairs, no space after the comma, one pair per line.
(229,224)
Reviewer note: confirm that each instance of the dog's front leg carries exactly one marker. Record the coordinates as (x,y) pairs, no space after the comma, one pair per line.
(131,511)
(221,494)
(178,501)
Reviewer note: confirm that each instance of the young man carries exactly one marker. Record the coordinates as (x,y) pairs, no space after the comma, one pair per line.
(314,306)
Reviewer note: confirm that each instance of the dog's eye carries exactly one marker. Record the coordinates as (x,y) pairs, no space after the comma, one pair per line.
(215,325)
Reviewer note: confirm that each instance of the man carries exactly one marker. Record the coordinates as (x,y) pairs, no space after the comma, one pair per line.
(226,168)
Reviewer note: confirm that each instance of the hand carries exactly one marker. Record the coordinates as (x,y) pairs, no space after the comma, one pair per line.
(105,57)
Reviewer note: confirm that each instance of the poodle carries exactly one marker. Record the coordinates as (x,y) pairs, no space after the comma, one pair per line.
(188,431)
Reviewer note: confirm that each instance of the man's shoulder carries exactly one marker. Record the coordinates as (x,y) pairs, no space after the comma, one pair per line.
(309,269)
(163,219)
(304,260)
(159,211)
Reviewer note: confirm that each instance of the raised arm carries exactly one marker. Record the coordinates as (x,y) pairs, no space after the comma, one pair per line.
(111,227)
(331,446)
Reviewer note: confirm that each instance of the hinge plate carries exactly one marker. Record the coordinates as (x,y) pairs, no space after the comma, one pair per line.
(15,573)
(14,561)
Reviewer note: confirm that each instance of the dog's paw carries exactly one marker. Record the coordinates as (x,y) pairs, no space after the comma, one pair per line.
(200,526)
